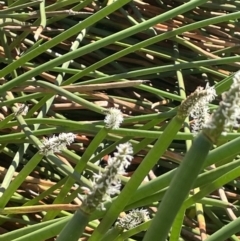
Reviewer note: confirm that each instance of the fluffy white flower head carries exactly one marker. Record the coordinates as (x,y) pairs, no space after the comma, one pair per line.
(113,118)
(133,218)
(200,111)
(227,114)
(200,97)
(56,143)
(107,183)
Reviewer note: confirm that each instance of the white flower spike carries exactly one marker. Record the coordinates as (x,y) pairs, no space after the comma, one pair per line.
(107,183)
(200,111)
(194,101)
(228,113)
(113,119)
(133,219)
(56,143)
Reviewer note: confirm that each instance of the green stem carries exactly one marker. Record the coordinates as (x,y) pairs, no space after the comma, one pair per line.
(79,168)
(43,14)
(61,37)
(147,164)
(75,227)
(226,231)
(179,188)
(19,179)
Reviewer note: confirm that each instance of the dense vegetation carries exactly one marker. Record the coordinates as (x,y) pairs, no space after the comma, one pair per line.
(91,88)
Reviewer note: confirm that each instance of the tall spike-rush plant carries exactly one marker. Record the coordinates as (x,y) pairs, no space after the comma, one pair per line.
(147,164)
(81,216)
(224,117)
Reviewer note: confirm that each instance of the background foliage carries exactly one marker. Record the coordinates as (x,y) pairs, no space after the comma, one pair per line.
(69,61)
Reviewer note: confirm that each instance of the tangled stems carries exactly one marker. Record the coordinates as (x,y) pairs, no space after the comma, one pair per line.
(223,118)
(104,185)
